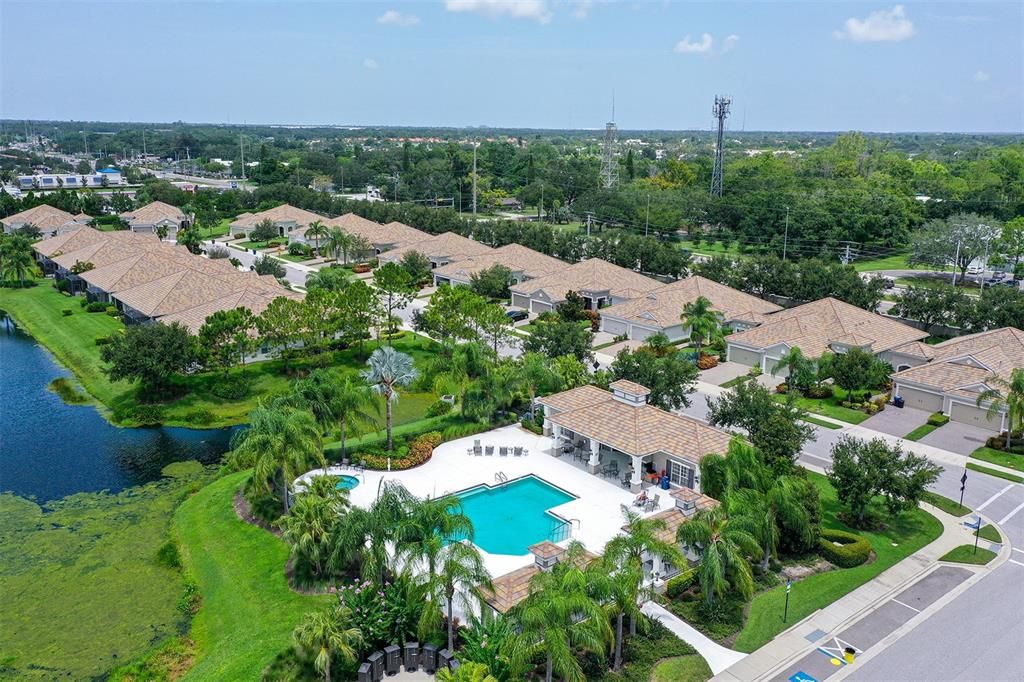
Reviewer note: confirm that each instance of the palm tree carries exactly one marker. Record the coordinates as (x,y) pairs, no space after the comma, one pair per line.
(559,616)
(339,243)
(328,632)
(279,444)
(317,393)
(367,534)
(351,404)
(535,375)
(1009,396)
(459,566)
(316,231)
(389,370)
(701,319)
(791,360)
(620,591)
(16,261)
(427,525)
(313,517)
(724,549)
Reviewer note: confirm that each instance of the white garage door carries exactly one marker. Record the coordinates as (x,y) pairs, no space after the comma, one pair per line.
(743,356)
(613,327)
(974,415)
(922,400)
(539,306)
(521,301)
(781,372)
(640,333)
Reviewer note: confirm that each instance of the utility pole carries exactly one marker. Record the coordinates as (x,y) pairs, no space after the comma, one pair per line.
(241,150)
(397,176)
(540,211)
(956,261)
(474,179)
(589,219)
(720,111)
(785,238)
(647,221)
(143,142)
(609,166)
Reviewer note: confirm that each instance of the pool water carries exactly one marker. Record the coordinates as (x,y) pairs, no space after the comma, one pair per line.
(346,482)
(509,518)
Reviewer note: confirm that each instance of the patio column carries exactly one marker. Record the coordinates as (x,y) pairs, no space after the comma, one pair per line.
(636,480)
(656,567)
(595,456)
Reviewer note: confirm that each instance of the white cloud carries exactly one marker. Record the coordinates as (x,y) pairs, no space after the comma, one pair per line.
(890,26)
(370,63)
(981,76)
(730,42)
(537,10)
(687,46)
(396,18)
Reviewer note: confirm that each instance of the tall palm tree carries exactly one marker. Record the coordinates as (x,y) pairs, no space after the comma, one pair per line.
(338,244)
(368,535)
(791,360)
(427,525)
(1009,396)
(313,518)
(388,371)
(459,567)
(701,319)
(316,231)
(724,549)
(328,632)
(279,445)
(317,393)
(619,588)
(561,615)
(353,402)
(16,261)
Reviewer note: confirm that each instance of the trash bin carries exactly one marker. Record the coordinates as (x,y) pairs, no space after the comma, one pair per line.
(455,664)
(365,673)
(898,401)
(412,656)
(428,659)
(376,661)
(444,659)
(849,654)
(392,660)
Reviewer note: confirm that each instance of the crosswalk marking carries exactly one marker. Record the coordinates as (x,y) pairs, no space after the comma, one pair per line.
(993,498)
(1010,515)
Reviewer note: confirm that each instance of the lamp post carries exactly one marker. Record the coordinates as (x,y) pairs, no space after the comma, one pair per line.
(785,613)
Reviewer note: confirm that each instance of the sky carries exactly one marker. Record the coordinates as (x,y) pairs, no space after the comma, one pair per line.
(873,66)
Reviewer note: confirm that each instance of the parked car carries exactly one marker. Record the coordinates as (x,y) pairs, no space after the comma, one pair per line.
(517,315)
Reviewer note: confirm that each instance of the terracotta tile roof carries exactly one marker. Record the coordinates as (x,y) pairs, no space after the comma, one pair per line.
(69,241)
(512,588)
(515,257)
(148,265)
(115,247)
(47,218)
(153,213)
(448,245)
(394,234)
(663,306)
(546,549)
(575,398)
(591,275)
(629,387)
(285,213)
(813,327)
(255,297)
(674,518)
(969,361)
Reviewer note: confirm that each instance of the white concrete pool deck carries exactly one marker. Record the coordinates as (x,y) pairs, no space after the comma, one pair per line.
(451,469)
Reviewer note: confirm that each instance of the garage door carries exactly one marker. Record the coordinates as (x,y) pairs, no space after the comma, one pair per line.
(613,327)
(750,358)
(640,333)
(539,306)
(781,372)
(521,301)
(974,415)
(922,400)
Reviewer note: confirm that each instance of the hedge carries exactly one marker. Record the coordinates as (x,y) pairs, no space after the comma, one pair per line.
(938,419)
(418,452)
(680,583)
(851,550)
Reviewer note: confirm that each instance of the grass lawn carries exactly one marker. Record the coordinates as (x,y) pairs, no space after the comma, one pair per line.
(822,423)
(909,532)
(82,589)
(1006,459)
(682,669)
(995,472)
(989,532)
(735,380)
(894,262)
(252,245)
(929,282)
(947,505)
(248,611)
(218,230)
(921,431)
(72,341)
(294,259)
(966,554)
(829,407)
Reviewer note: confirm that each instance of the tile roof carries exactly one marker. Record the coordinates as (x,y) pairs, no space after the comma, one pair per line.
(515,257)
(574,398)
(117,246)
(153,213)
(663,306)
(969,360)
(448,245)
(814,326)
(674,518)
(512,588)
(255,296)
(69,241)
(45,217)
(393,234)
(285,213)
(627,386)
(591,275)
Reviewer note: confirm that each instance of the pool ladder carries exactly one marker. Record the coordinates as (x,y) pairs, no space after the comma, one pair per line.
(500,477)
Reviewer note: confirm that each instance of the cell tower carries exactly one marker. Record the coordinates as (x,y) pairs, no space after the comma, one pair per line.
(609,166)
(720,112)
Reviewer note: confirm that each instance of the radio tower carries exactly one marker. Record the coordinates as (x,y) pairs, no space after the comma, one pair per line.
(609,167)
(720,112)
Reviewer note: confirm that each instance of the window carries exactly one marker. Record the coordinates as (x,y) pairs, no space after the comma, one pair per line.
(902,367)
(680,474)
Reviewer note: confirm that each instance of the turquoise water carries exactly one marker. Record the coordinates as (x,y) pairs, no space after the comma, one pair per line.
(510,518)
(346,482)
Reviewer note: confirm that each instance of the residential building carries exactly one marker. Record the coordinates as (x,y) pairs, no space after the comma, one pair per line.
(381,238)
(525,264)
(660,309)
(827,325)
(439,249)
(599,282)
(506,591)
(155,217)
(950,376)
(619,426)
(50,220)
(285,218)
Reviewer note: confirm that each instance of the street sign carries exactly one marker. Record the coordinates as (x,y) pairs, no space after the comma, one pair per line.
(963,479)
(789,586)
(801,677)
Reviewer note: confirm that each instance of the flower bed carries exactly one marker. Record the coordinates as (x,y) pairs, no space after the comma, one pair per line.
(843,549)
(417,452)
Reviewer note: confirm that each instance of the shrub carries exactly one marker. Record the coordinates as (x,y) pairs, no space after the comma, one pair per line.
(200,416)
(96,307)
(938,419)
(148,415)
(843,549)
(299,249)
(360,268)
(102,340)
(66,312)
(216,252)
(782,388)
(707,361)
(188,602)
(62,285)
(457,431)
(112,311)
(531,425)
(438,408)
(754,371)
(680,583)
(818,392)
(403,457)
(168,555)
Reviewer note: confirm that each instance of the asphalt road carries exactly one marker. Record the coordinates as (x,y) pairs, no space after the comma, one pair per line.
(294,275)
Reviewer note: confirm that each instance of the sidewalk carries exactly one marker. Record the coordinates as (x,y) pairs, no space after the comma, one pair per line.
(795,643)
(718,657)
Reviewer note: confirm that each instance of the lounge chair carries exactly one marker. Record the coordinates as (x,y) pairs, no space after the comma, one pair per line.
(625,480)
(653,503)
(477,450)
(489,450)
(503,451)
(517,451)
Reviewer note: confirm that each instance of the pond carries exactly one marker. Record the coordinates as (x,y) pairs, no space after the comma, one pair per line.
(49,449)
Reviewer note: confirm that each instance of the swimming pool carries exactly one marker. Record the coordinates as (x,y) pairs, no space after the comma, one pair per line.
(509,518)
(346,482)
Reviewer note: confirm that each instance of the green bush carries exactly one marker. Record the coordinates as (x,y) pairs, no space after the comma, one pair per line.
(148,415)
(438,408)
(200,416)
(66,312)
(531,425)
(168,555)
(96,307)
(403,457)
(844,549)
(680,583)
(112,311)
(102,340)
(938,419)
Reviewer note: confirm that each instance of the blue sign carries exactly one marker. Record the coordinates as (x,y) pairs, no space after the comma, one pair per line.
(801,677)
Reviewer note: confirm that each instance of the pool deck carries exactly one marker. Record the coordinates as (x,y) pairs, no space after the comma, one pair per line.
(451,469)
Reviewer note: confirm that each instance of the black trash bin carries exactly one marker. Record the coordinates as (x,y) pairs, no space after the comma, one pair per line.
(365,673)
(898,401)
(444,659)
(392,660)
(411,652)
(376,661)
(428,659)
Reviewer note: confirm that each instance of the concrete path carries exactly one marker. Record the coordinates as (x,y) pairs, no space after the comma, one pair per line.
(718,657)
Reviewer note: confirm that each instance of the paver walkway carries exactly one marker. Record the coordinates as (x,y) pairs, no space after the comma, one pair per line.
(718,657)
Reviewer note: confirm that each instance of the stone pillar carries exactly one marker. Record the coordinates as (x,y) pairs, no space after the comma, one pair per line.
(656,567)
(636,481)
(595,457)
(548,427)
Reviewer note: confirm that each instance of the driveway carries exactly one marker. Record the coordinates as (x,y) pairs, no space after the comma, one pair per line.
(725,371)
(896,422)
(962,439)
